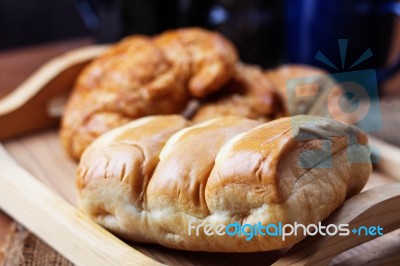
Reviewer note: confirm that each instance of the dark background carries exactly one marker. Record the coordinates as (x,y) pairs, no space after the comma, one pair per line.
(251,25)
(26,22)
(259,28)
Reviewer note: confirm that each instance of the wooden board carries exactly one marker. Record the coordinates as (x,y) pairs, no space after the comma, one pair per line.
(38,190)
(41,155)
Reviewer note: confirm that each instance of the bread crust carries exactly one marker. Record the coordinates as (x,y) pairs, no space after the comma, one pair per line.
(248,173)
(309,90)
(249,93)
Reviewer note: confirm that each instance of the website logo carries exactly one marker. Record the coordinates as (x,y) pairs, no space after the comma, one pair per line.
(348,95)
(249,231)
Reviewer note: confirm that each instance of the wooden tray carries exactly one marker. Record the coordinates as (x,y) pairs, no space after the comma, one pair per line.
(37,188)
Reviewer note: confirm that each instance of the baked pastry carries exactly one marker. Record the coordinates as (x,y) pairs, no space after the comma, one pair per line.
(205,58)
(144,76)
(249,93)
(154,179)
(310,90)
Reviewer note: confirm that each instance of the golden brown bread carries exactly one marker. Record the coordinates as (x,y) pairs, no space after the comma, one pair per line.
(310,90)
(281,75)
(205,58)
(149,179)
(144,76)
(249,93)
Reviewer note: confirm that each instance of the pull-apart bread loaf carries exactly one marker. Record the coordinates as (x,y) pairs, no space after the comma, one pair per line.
(153,179)
(144,76)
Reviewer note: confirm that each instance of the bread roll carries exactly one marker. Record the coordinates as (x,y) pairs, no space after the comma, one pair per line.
(142,76)
(249,93)
(154,178)
(309,90)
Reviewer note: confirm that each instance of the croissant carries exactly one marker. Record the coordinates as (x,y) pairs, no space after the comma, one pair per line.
(160,180)
(249,93)
(144,76)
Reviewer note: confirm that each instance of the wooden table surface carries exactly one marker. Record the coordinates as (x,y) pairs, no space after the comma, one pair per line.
(15,66)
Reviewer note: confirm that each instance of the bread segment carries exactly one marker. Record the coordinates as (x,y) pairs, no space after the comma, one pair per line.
(153,179)
(186,162)
(113,173)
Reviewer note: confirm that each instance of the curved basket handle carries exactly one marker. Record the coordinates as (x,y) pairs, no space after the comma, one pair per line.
(378,206)
(37,102)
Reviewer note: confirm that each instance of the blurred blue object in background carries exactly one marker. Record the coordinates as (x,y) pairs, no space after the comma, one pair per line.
(313,27)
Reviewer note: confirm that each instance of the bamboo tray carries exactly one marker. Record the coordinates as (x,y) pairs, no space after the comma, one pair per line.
(37,188)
